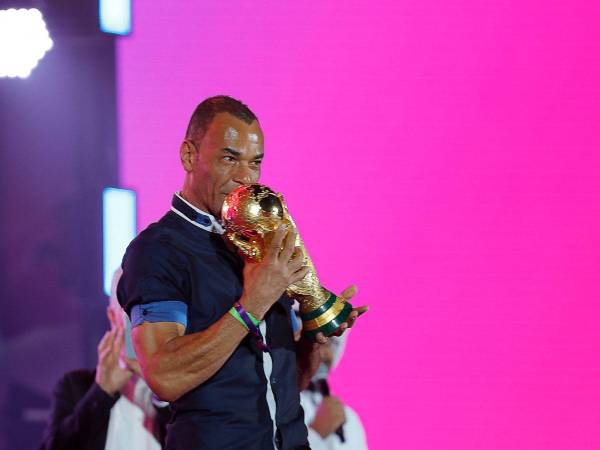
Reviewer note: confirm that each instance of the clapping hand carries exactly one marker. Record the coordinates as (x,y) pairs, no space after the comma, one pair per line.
(114,370)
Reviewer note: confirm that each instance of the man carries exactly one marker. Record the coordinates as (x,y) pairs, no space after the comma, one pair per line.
(188,293)
(332,425)
(110,408)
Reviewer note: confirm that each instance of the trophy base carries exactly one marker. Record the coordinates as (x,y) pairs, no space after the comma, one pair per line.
(327,318)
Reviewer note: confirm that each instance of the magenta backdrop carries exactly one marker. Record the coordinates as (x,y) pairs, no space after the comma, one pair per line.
(442,155)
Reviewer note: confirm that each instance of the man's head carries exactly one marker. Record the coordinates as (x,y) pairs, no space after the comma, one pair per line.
(222,150)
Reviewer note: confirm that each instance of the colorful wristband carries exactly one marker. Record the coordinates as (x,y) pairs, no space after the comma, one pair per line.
(236,314)
(250,323)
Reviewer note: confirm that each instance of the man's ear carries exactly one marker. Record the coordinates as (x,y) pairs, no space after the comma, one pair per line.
(187,154)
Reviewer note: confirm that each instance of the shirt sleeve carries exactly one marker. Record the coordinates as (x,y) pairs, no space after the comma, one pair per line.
(77,418)
(153,285)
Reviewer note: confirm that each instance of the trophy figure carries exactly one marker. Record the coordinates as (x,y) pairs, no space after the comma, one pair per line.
(252,211)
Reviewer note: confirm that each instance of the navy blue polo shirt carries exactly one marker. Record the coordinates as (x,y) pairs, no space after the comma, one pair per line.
(177,270)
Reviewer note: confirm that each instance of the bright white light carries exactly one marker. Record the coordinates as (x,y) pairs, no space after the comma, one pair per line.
(118,225)
(115,16)
(24,40)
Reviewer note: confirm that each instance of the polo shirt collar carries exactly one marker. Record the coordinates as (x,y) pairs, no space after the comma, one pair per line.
(195,216)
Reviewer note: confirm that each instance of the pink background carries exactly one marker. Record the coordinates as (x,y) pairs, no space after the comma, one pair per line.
(442,155)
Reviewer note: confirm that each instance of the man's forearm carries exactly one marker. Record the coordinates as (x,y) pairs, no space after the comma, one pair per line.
(183,362)
(307,361)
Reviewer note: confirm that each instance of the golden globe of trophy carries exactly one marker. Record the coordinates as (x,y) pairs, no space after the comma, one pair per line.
(251,212)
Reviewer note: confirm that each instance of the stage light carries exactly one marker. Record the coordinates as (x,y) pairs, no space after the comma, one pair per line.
(118,229)
(24,40)
(115,16)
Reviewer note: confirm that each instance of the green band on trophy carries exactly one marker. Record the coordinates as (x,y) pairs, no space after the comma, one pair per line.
(332,325)
(327,316)
(320,310)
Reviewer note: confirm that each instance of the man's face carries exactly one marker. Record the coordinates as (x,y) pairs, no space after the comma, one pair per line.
(228,156)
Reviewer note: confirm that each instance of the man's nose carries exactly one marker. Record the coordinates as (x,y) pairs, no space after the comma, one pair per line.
(243,174)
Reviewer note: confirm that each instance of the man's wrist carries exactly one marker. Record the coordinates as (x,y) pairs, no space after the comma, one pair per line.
(250,323)
(236,314)
(102,384)
(251,306)
(106,389)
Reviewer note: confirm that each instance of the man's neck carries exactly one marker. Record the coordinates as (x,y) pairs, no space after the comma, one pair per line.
(188,196)
(188,211)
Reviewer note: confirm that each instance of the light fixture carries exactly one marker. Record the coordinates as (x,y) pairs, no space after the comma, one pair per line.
(115,16)
(118,229)
(24,40)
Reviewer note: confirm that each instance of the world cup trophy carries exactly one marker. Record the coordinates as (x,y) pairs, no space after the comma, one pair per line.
(252,211)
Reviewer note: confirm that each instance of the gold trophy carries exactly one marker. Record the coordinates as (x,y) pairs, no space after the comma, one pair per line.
(252,211)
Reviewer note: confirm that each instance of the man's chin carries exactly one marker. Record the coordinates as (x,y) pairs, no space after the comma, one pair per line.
(218,206)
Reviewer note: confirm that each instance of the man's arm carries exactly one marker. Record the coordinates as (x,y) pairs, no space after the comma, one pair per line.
(75,418)
(329,417)
(81,404)
(174,363)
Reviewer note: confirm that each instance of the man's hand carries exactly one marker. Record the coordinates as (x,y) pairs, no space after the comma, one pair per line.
(330,416)
(307,352)
(347,293)
(109,375)
(266,280)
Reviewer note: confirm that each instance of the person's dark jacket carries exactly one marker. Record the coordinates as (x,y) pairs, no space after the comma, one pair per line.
(80,414)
